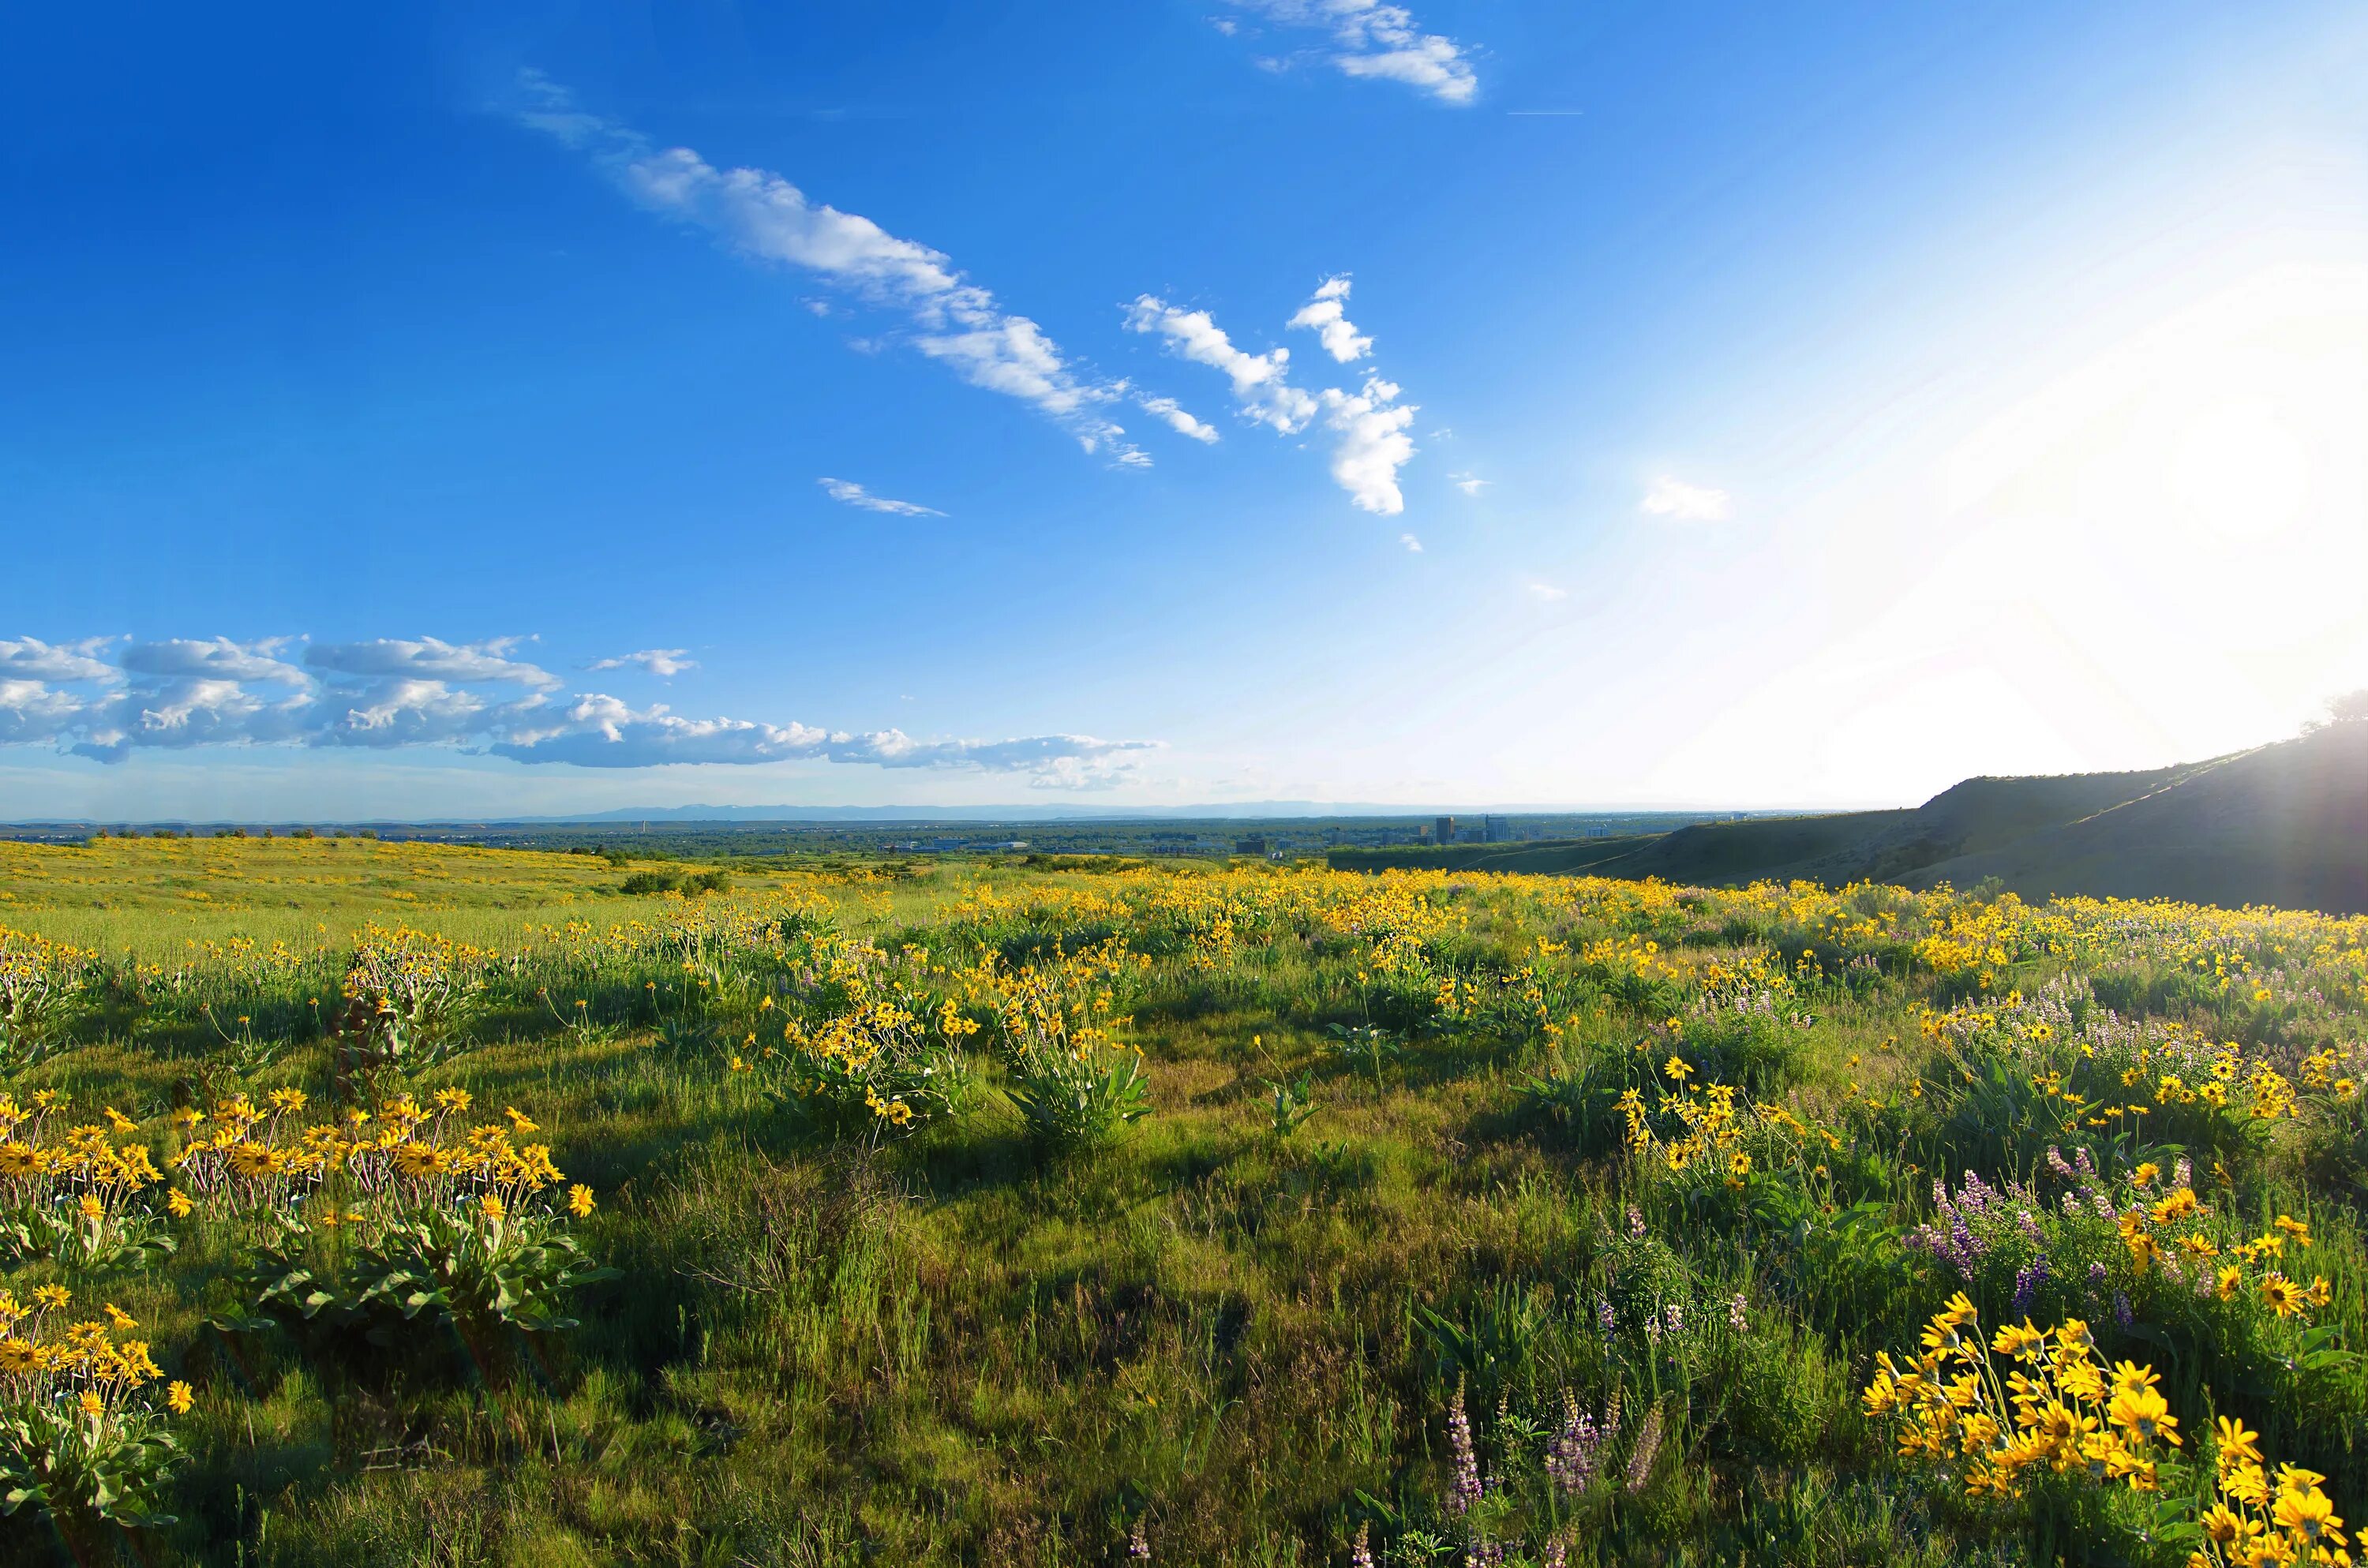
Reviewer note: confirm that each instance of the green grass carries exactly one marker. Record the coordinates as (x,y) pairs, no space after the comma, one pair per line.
(958,1347)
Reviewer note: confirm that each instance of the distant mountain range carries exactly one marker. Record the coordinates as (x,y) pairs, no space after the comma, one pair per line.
(2282,824)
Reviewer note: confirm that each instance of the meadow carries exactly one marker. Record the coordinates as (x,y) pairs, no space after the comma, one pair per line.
(364,1202)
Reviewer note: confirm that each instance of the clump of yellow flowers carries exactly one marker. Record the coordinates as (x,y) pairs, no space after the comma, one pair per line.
(82,1428)
(2257,1517)
(2058,1410)
(77,1197)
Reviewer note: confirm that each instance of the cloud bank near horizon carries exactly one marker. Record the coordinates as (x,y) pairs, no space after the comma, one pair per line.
(107,698)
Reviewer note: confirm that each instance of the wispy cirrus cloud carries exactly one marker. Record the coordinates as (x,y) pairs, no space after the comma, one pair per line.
(1172,413)
(1370,422)
(1261,390)
(391,694)
(854,494)
(1686,503)
(664,663)
(1376,41)
(762,216)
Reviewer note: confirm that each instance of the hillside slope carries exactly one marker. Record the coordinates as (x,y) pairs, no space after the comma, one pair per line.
(2286,824)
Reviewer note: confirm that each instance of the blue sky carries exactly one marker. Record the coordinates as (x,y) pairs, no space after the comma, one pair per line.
(423,414)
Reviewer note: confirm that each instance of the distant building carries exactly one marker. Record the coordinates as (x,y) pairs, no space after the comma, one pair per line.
(1496,830)
(1598,830)
(1444,830)
(1253,845)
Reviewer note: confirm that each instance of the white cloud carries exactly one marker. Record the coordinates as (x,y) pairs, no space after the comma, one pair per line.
(392,693)
(1177,419)
(31,712)
(429,658)
(1546,591)
(854,494)
(1687,503)
(765,218)
(1373,444)
(33,659)
(1374,40)
(1411,542)
(1259,387)
(1371,423)
(1325,313)
(219,658)
(1469,484)
(664,663)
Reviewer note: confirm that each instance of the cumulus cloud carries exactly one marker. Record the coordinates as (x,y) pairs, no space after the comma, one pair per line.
(1411,543)
(218,657)
(1469,484)
(394,693)
(1325,313)
(1380,42)
(1687,503)
(1370,422)
(1373,444)
(29,658)
(1177,419)
(665,663)
(430,658)
(762,216)
(30,711)
(854,494)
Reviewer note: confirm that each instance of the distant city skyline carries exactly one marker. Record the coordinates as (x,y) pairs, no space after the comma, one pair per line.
(443,416)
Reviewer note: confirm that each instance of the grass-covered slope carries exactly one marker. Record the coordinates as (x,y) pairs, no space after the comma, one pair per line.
(1005,1215)
(2284,825)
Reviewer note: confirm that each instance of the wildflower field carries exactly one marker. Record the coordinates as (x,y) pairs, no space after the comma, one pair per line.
(373,1203)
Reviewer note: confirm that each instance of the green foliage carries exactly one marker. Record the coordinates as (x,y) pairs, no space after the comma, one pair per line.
(1076,1104)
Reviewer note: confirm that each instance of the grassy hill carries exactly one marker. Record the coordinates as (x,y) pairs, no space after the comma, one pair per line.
(2286,824)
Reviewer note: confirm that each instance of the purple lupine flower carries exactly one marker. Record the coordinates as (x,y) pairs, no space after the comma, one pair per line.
(1360,1551)
(2087,1166)
(2102,1201)
(1466,1489)
(2121,1309)
(1961,1251)
(2028,1223)
(2056,1163)
(2027,1283)
(2182,1174)
(1604,1318)
(1137,1549)
(1635,1221)
(1675,1319)
(1576,1452)
(1483,1554)
(1735,1312)
(2096,1275)
(1557,1554)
